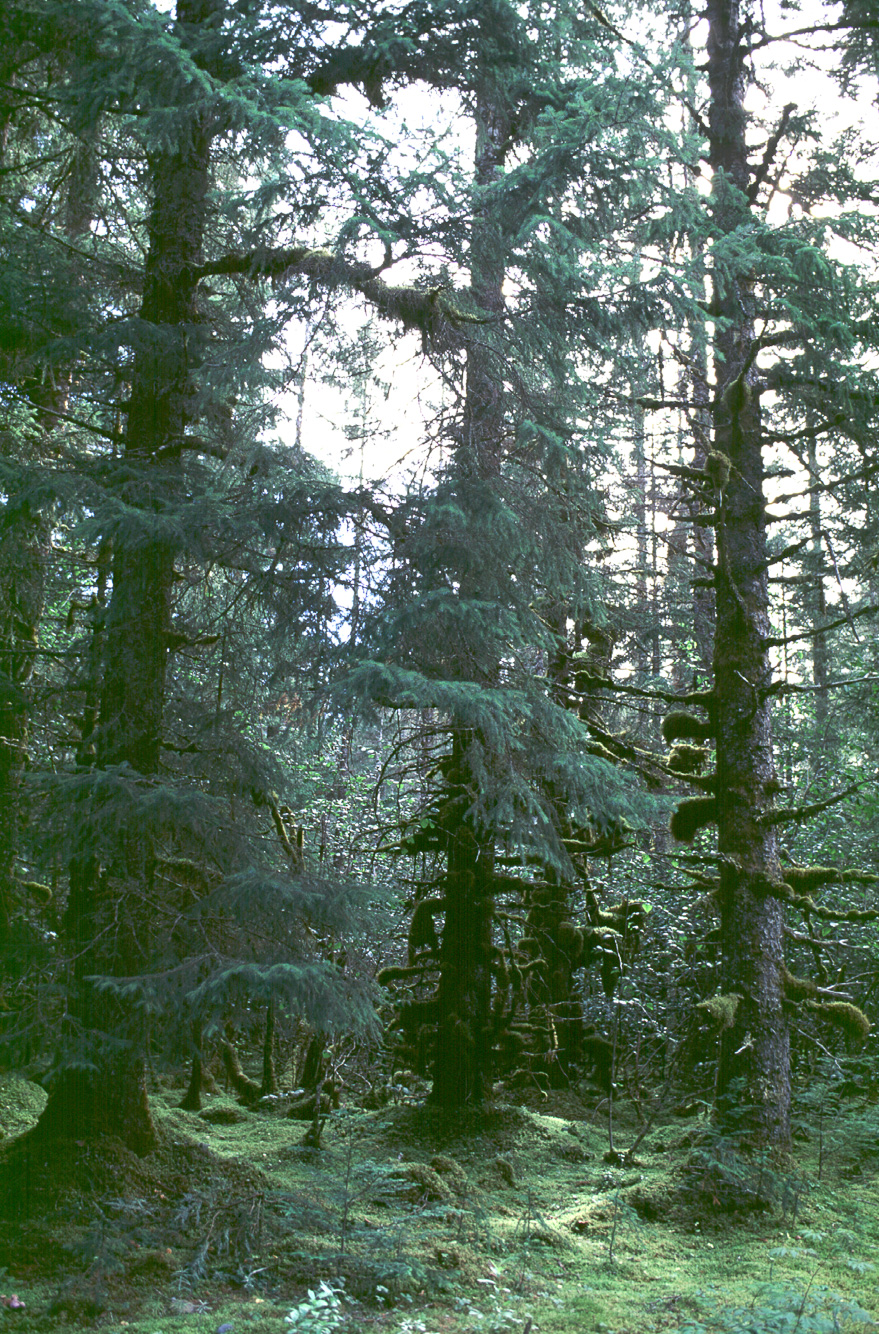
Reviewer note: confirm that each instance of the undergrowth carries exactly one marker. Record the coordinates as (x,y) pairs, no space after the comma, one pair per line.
(414,1223)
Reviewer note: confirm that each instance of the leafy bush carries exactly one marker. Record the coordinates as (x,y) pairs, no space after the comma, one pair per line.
(321,1311)
(783,1310)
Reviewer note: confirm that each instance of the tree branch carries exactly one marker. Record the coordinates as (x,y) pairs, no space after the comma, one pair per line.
(430,310)
(794,814)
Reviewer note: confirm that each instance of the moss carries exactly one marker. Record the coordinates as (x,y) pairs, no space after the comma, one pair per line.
(223,1116)
(36,889)
(722,1009)
(681,726)
(797,988)
(452,1171)
(247,1089)
(717,468)
(570,942)
(779,889)
(802,879)
(855,876)
(421,1183)
(692,815)
(422,932)
(388,975)
(687,759)
(21,1102)
(842,1014)
(303,1109)
(596,748)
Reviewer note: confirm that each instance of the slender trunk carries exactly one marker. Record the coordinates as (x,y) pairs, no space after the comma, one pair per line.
(269,1077)
(754,1075)
(24,542)
(22,569)
(192,1098)
(704,611)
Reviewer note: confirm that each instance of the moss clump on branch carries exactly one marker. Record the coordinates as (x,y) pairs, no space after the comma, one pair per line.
(803,879)
(717,469)
(692,815)
(687,759)
(797,988)
(845,1016)
(596,748)
(722,1008)
(785,892)
(681,726)
(401,974)
(806,878)
(422,932)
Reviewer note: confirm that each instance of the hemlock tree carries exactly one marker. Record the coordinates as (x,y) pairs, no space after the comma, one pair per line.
(784,320)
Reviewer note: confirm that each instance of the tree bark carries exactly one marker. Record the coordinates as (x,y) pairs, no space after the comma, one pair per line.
(754,1074)
(462,1067)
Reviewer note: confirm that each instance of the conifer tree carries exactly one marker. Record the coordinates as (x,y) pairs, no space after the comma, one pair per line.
(772,287)
(492,588)
(191,512)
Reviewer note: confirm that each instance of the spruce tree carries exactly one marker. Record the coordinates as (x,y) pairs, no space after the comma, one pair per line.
(191,514)
(491,590)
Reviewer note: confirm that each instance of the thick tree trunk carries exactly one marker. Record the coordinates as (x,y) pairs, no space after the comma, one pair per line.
(22,570)
(462,1068)
(754,1075)
(105,923)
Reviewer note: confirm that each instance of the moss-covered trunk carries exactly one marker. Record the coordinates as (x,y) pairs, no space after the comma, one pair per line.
(22,570)
(754,1076)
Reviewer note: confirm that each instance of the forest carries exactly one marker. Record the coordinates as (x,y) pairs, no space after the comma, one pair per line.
(439,559)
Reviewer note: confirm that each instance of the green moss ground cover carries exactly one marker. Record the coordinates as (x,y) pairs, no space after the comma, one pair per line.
(515,1221)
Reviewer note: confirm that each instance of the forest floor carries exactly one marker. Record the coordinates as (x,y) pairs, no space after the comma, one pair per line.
(408,1221)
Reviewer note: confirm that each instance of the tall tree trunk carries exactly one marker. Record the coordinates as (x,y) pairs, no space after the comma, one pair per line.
(754,1075)
(818,610)
(462,1070)
(22,569)
(106,927)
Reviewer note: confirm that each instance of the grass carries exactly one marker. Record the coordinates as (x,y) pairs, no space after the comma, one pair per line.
(428,1224)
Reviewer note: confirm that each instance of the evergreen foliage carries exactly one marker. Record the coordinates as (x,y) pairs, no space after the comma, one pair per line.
(267,734)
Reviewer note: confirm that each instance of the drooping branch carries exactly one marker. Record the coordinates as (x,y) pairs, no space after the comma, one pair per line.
(778,641)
